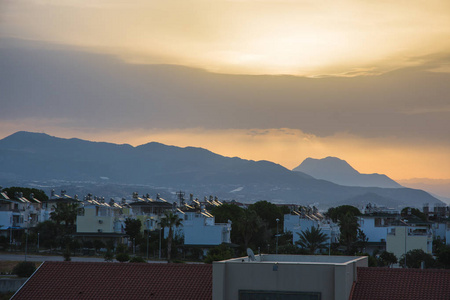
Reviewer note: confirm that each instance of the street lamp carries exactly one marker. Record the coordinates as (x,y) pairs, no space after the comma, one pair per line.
(159,240)
(276,248)
(148,234)
(26,236)
(38,243)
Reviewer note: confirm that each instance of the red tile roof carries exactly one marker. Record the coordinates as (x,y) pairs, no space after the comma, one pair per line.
(411,284)
(83,280)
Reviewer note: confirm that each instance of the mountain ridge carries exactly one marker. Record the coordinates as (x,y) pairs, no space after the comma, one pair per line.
(42,158)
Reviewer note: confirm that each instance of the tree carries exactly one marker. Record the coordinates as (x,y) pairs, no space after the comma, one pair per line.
(24,269)
(38,194)
(337,213)
(268,212)
(231,212)
(415,257)
(48,233)
(248,226)
(361,240)
(65,213)
(226,212)
(443,257)
(312,239)
(415,212)
(387,259)
(218,253)
(170,220)
(348,225)
(133,229)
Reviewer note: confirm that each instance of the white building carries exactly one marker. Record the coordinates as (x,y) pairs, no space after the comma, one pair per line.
(201,229)
(297,222)
(313,277)
(402,239)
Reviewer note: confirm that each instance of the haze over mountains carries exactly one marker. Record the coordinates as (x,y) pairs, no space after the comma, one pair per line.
(339,171)
(42,160)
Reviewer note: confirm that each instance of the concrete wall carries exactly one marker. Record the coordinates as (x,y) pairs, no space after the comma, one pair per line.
(332,281)
(11,284)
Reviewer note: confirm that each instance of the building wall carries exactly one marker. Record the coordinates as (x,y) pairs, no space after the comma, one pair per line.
(200,230)
(5,219)
(399,239)
(91,222)
(332,281)
(372,232)
(197,232)
(439,230)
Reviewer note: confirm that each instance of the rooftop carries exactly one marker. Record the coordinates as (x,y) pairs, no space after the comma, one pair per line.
(82,280)
(413,284)
(298,259)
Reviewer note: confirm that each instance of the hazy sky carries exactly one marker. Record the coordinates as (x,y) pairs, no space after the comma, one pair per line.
(370,84)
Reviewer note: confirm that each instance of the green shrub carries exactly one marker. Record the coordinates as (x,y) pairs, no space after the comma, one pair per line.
(66,254)
(108,256)
(122,257)
(24,269)
(137,259)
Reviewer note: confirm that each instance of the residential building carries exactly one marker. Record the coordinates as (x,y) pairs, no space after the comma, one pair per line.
(148,210)
(199,227)
(99,220)
(295,276)
(298,221)
(18,214)
(402,239)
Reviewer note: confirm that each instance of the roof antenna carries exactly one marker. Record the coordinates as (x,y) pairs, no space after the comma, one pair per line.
(251,255)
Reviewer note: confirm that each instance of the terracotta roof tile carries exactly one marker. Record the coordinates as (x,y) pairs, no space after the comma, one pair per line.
(412,284)
(83,280)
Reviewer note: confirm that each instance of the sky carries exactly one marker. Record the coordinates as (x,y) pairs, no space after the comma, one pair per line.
(277,80)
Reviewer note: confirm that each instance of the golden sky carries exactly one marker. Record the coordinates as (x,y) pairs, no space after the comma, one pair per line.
(391,118)
(306,37)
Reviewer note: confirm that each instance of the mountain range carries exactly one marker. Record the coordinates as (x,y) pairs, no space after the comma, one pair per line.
(41,160)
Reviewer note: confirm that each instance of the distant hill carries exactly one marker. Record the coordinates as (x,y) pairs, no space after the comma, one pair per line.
(340,172)
(43,160)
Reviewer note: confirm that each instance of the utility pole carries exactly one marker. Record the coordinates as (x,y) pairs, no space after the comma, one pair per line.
(159,241)
(26,236)
(276,248)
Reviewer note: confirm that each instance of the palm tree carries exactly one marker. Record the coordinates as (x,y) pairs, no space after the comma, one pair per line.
(170,220)
(312,239)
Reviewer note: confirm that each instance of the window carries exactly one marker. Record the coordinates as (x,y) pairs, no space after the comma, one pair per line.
(276,295)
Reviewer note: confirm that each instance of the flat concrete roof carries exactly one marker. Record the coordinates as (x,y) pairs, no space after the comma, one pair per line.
(297,259)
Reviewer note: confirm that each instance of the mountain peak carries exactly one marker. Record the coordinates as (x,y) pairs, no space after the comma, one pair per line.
(340,172)
(336,166)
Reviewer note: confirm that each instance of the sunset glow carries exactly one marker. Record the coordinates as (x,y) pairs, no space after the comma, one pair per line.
(368,81)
